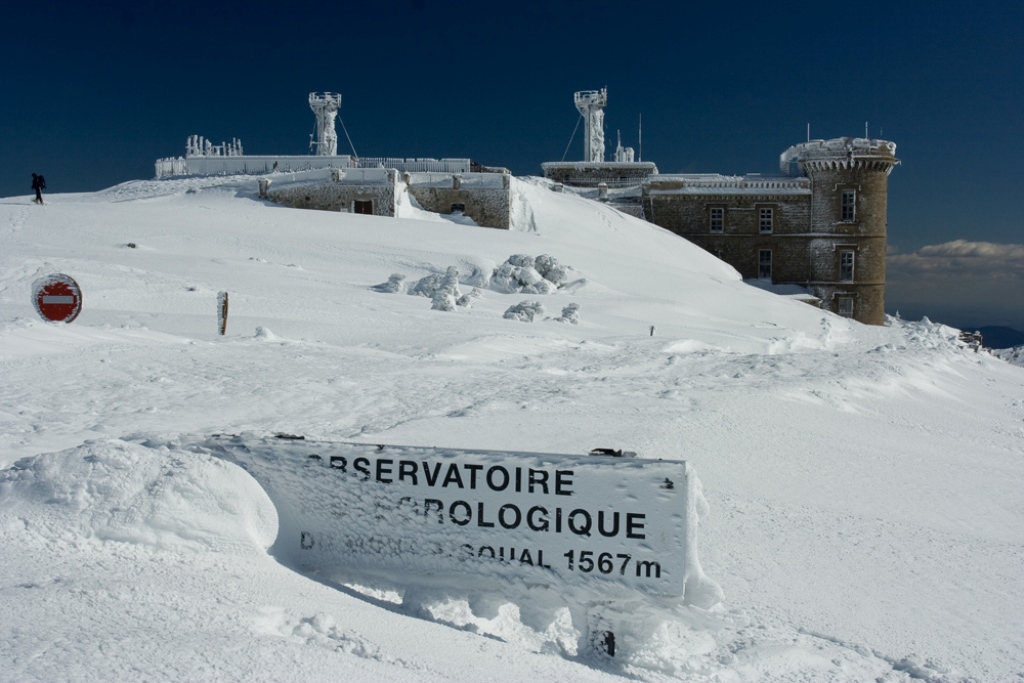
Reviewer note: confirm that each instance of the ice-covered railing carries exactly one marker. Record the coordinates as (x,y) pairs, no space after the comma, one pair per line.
(240,164)
(592,174)
(257,165)
(245,165)
(713,182)
(415,165)
(592,165)
(427,179)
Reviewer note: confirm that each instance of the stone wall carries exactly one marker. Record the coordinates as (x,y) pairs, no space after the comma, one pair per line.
(741,239)
(340,195)
(485,197)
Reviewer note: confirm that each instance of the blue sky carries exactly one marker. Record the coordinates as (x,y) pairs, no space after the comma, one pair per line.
(94,93)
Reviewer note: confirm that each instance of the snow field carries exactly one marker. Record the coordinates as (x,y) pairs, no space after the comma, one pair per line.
(863,483)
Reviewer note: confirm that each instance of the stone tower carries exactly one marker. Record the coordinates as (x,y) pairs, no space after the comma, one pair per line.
(846,250)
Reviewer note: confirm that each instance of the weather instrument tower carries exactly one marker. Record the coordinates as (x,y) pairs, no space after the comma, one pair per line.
(591,104)
(325,107)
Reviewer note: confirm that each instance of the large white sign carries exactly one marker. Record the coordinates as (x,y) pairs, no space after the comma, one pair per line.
(619,526)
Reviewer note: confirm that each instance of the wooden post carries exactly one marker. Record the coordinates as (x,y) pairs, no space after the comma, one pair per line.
(222,312)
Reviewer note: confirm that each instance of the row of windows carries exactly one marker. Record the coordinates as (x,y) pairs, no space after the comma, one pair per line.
(844,304)
(764,264)
(766,215)
(765,220)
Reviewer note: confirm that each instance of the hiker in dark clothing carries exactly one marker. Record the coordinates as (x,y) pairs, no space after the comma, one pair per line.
(38,184)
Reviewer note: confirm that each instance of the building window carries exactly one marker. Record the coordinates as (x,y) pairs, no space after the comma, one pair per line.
(458,208)
(765,222)
(717,219)
(363,206)
(846,306)
(849,206)
(764,264)
(846,266)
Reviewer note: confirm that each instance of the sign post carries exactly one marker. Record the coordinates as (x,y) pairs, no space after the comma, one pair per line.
(57,298)
(591,531)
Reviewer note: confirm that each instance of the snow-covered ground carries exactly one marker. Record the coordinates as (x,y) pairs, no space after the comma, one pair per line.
(866,515)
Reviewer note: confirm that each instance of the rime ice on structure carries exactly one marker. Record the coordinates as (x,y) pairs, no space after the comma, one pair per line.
(196,146)
(593,171)
(325,107)
(591,104)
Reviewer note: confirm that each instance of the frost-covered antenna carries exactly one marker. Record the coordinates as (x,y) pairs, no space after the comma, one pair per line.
(622,154)
(591,104)
(866,131)
(325,107)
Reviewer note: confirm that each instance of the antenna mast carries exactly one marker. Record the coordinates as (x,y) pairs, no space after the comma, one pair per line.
(591,104)
(325,108)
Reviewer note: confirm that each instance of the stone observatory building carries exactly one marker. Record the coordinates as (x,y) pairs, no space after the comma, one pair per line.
(819,224)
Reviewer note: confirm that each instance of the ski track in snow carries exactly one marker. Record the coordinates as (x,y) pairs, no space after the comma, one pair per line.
(864,483)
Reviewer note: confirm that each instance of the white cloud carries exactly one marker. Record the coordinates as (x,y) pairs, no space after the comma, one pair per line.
(958,260)
(978,281)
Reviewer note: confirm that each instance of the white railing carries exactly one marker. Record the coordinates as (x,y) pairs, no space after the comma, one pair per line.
(415,165)
(256,165)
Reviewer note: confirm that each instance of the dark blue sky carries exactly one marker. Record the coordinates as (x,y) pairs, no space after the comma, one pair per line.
(92,94)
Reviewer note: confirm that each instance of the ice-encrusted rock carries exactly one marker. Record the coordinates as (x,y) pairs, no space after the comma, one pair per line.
(524,311)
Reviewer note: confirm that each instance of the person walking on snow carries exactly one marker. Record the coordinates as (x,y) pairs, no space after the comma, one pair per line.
(38,184)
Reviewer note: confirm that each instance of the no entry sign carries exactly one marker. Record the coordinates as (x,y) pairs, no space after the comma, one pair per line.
(57,298)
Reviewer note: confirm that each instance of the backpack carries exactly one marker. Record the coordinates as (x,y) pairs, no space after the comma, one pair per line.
(42,182)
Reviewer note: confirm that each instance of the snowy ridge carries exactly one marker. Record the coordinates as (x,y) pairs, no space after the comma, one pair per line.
(862,484)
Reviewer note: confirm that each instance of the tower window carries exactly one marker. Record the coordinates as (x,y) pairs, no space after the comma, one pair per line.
(849,206)
(845,307)
(766,220)
(364,206)
(717,219)
(846,266)
(764,264)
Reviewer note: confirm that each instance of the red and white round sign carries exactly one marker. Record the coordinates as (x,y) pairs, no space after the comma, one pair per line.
(57,297)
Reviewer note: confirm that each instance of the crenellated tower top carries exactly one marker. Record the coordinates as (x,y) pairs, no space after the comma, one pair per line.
(841,154)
